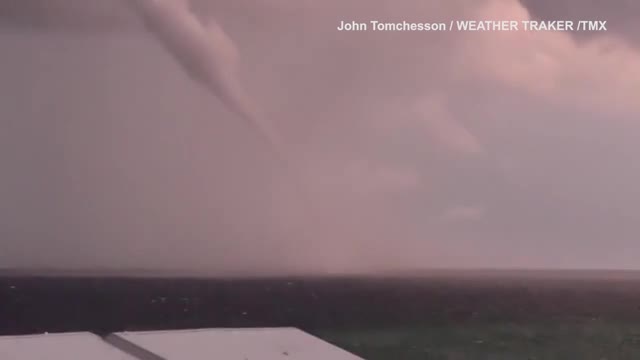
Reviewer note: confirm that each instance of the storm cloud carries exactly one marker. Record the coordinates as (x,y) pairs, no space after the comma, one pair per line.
(437,149)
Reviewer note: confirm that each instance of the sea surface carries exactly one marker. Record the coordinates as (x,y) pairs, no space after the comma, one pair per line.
(420,315)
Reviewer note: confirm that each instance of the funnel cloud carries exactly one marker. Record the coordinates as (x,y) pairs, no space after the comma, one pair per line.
(207,54)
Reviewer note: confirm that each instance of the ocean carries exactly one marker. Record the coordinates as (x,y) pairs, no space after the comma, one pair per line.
(429,315)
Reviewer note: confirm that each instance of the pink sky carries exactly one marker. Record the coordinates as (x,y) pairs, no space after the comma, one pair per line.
(422,149)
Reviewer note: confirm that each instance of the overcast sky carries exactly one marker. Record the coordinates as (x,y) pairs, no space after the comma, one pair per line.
(432,149)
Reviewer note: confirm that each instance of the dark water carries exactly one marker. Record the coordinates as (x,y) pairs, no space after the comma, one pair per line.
(59,304)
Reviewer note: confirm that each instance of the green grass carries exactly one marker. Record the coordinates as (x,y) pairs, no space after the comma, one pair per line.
(585,339)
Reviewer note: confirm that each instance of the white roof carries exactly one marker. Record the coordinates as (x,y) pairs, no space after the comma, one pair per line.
(241,344)
(70,346)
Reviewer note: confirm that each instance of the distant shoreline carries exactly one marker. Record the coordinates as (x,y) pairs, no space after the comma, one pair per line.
(462,274)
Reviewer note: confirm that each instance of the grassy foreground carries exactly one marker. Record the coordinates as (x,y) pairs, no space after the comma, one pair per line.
(584,339)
